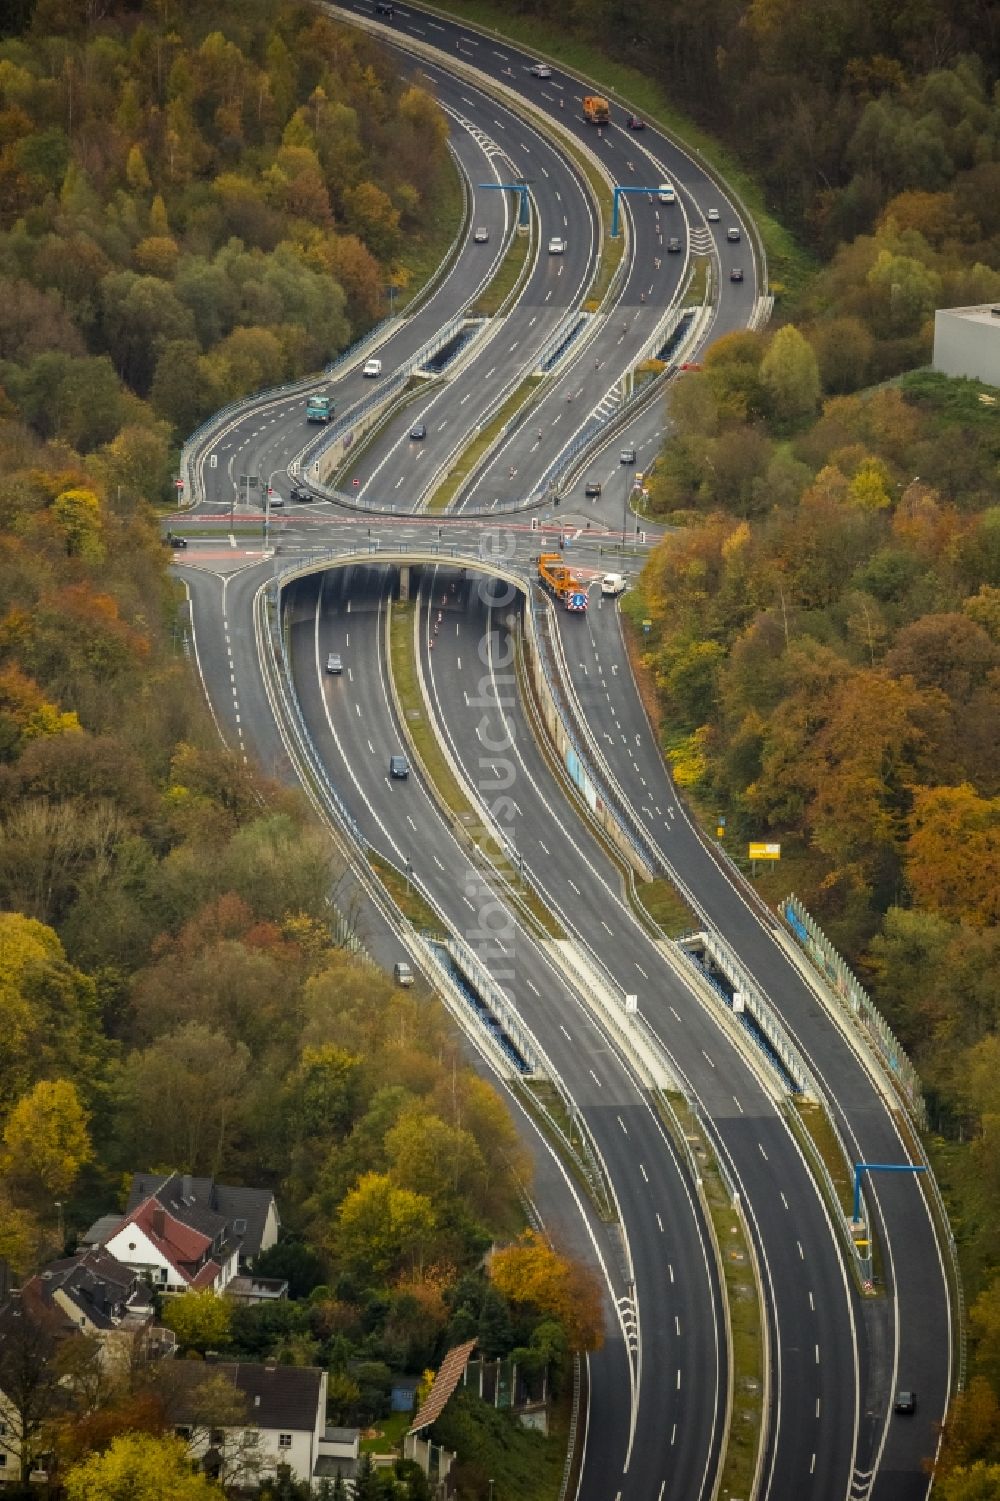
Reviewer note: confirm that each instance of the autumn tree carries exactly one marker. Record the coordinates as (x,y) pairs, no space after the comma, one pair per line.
(530,1271)
(47,1139)
(139,1467)
(200,1320)
(953,853)
(789,375)
(381,1228)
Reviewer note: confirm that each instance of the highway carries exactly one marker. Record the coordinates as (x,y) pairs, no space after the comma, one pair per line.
(837,1357)
(662,1269)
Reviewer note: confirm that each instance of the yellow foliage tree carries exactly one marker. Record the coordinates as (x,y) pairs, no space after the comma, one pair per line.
(46,1137)
(953,853)
(139,1467)
(531,1272)
(78,517)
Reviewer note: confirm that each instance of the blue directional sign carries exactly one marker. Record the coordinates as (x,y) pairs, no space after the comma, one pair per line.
(578,601)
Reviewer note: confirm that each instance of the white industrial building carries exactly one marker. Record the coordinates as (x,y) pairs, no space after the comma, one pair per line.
(967,342)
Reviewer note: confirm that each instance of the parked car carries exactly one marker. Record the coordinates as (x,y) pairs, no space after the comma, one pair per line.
(399,767)
(372,367)
(627,455)
(713,216)
(418,430)
(540,70)
(556,245)
(592,487)
(736,274)
(334,663)
(481,235)
(635,122)
(732,233)
(673,245)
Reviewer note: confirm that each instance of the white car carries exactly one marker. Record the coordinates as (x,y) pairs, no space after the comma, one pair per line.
(556,245)
(540,70)
(481,236)
(372,367)
(713,216)
(665,193)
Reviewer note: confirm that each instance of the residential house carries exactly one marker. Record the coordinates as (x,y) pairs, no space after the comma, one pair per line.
(283,1422)
(182,1232)
(251,1213)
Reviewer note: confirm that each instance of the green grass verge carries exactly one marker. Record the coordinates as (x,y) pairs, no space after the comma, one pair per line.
(545,1106)
(492,297)
(745,1316)
(666,906)
(698,285)
(425,249)
(473,452)
(406,897)
(790,265)
(823,1138)
(466,820)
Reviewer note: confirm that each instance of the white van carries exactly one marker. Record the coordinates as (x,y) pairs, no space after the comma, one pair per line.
(613,583)
(402,973)
(666,193)
(372,367)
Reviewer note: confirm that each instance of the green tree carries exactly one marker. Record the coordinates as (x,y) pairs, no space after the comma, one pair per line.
(381,1228)
(200,1320)
(789,374)
(181,1097)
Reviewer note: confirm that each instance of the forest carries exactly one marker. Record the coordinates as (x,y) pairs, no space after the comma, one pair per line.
(197,201)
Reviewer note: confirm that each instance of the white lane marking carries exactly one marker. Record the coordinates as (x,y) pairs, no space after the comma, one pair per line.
(677,1014)
(532,987)
(784,1200)
(659,1222)
(574,886)
(707,1058)
(738,1105)
(564,1032)
(812,1305)
(605,927)
(670,1270)
(677,1324)
(639,967)
(644,1173)
(621,1123)
(594,1077)
(762,1152)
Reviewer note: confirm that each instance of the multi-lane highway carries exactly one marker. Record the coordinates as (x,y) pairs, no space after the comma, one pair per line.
(659,1390)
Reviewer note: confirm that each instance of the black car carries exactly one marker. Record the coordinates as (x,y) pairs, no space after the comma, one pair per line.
(399,767)
(592,487)
(173,541)
(385,8)
(635,122)
(298,493)
(418,430)
(673,245)
(905,1402)
(736,274)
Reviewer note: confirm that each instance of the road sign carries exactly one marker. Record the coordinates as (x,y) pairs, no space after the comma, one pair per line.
(578,601)
(178,484)
(765,851)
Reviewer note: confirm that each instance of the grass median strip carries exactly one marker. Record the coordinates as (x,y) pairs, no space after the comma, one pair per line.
(746,1325)
(467,825)
(473,452)
(492,297)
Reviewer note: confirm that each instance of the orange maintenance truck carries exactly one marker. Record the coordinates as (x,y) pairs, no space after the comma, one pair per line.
(562,582)
(596,111)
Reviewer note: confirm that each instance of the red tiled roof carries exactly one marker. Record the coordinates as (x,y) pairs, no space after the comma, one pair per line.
(448,1376)
(182,1246)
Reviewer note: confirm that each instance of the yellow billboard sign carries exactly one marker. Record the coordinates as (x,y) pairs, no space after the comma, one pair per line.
(765,852)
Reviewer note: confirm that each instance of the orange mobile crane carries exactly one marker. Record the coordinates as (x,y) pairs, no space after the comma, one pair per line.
(560,580)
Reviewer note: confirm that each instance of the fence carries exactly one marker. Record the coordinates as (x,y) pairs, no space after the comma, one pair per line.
(849,990)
